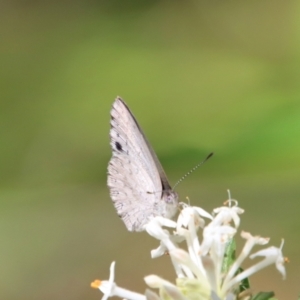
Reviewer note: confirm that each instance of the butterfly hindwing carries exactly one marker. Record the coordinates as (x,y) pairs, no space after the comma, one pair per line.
(135,176)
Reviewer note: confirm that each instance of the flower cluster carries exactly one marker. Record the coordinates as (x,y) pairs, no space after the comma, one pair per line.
(207,270)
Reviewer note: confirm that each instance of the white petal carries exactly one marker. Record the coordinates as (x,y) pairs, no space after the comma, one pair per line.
(155,281)
(183,258)
(166,222)
(151,295)
(161,250)
(173,292)
(254,239)
(126,294)
(107,288)
(203,213)
(280,267)
(185,215)
(273,252)
(112,272)
(154,228)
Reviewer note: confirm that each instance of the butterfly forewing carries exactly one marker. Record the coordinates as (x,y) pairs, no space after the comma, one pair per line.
(138,185)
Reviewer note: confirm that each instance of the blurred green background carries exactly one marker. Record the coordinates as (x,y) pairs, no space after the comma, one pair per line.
(200,76)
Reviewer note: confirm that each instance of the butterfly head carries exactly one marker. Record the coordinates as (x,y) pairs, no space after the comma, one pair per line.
(171,199)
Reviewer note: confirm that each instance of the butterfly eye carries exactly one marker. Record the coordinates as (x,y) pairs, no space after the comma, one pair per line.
(171,197)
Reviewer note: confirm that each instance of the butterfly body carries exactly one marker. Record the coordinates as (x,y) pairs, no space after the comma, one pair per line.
(138,184)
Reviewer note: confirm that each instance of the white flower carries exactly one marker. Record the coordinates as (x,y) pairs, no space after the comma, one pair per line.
(194,213)
(166,287)
(216,237)
(273,254)
(251,241)
(226,214)
(168,242)
(201,266)
(203,271)
(110,289)
(151,295)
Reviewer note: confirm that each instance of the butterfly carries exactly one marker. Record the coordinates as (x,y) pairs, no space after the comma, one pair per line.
(138,185)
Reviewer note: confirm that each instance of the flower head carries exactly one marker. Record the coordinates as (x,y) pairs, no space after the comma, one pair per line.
(110,289)
(208,269)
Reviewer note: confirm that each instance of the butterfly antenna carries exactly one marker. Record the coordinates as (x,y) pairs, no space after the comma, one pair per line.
(193,169)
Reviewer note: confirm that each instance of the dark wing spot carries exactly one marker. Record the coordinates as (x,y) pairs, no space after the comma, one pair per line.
(118,146)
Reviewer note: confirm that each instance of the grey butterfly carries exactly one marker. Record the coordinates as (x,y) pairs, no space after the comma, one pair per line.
(138,185)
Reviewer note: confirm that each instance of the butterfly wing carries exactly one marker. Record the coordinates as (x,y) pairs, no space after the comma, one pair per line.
(136,178)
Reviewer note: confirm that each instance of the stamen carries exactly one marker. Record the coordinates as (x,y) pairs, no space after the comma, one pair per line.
(96,284)
(286,260)
(230,201)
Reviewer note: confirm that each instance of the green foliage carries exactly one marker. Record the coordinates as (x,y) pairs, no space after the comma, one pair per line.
(245,284)
(229,256)
(264,296)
